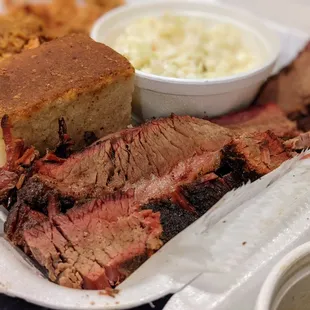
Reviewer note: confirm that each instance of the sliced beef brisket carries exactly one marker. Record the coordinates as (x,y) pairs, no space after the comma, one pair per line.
(121,160)
(247,157)
(22,217)
(95,245)
(8,181)
(258,153)
(171,170)
(260,119)
(290,89)
(19,160)
(153,159)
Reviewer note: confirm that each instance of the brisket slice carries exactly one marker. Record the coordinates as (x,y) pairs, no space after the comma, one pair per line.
(259,119)
(8,180)
(191,201)
(99,243)
(154,159)
(245,158)
(95,245)
(21,218)
(190,165)
(299,143)
(257,153)
(19,160)
(150,151)
(290,89)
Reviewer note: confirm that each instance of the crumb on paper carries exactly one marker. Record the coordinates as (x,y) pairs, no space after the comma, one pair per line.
(244,243)
(109,292)
(5,286)
(92,303)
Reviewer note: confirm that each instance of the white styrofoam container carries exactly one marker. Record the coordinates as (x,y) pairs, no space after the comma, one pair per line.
(207,266)
(159,96)
(240,249)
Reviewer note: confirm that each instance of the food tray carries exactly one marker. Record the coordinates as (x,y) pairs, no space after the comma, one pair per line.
(236,243)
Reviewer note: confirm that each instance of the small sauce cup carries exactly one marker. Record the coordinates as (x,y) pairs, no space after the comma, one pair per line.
(287,286)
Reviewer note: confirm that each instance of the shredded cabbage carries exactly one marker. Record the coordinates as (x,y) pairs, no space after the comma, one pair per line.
(185,47)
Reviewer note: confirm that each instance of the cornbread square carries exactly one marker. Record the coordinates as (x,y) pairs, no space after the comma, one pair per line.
(87,83)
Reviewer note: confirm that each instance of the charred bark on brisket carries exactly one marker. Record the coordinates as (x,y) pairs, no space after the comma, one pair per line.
(232,173)
(173,217)
(233,168)
(35,194)
(203,195)
(89,137)
(64,146)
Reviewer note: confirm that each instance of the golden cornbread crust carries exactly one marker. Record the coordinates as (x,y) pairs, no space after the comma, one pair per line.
(60,69)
